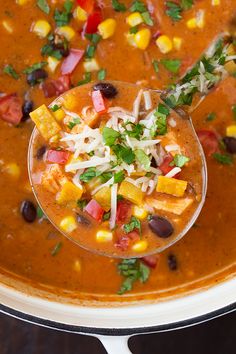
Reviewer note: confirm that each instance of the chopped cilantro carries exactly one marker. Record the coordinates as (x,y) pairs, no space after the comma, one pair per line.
(133,30)
(132,270)
(101,74)
(136,131)
(179,160)
(43,5)
(106,216)
(63,17)
(119,197)
(90,51)
(155,65)
(132,225)
(34,67)
(223,158)
(105,176)
(210,117)
(119,177)
(73,123)
(82,203)
(186,4)
(89,174)
(173,11)
(118,6)
(56,249)
(172,65)
(234,111)
(86,79)
(109,136)
(40,213)
(47,50)
(94,38)
(160,128)
(138,6)
(9,70)
(143,159)
(55,108)
(124,153)
(147,18)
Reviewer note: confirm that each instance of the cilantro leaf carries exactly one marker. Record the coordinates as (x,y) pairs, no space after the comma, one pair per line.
(138,6)
(89,174)
(160,128)
(55,108)
(210,117)
(34,67)
(94,38)
(90,51)
(132,225)
(223,158)
(9,70)
(106,216)
(133,30)
(147,18)
(105,176)
(143,159)
(132,270)
(48,50)
(173,11)
(118,6)
(63,17)
(186,4)
(172,65)
(73,123)
(136,131)
(101,74)
(109,136)
(179,160)
(56,249)
(40,213)
(87,78)
(82,203)
(155,65)
(124,153)
(43,5)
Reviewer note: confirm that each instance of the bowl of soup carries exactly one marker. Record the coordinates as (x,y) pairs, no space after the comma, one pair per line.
(55,46)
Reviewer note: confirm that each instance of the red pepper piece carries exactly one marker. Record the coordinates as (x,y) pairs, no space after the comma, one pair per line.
(150,261)
(87,5)
(95,210)
(209,141)
(57,156)
(93,21)
(98,102)
(11,108)
(56,87)
(123,210)
(71,61)
(124,241)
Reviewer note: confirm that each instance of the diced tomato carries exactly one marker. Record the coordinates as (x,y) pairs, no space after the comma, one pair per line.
(209,141)
(93,21)
(123,209)
(150,261)
(11,108)
(56,87)
(71,61)
(57,156)
(98,102)
(124,240)
(95,210)
(165,166)
(87,5)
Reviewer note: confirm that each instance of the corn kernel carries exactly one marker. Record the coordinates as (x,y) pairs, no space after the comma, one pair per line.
(67,32)
(140,213)
(142,38)
(177,43)
(52,64)
(215,2)
(107,28)
(77,265)
(140,246)
(41,28)
(104,236)
(22,2)
(68,224)
(134,19)
(80,14)
(91,65)
(171,186)
(13,170)
(59,115)
(192,23)
(8,26)
(130,39)
(231,130)
(164,43)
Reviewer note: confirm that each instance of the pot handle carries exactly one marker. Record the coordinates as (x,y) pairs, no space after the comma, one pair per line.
(115,345)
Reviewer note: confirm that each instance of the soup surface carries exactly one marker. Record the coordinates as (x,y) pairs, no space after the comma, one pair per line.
(150,45)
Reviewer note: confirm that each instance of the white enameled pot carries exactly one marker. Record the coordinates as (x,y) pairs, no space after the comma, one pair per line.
(114,326)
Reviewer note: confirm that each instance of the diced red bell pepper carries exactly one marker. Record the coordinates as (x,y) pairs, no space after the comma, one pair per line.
(56,87)
(165,166)
(150,261)
(57,156)
(93,21)
(71,61)
(99,102)
(209,141)
(95,210)
(11,108)
(87,5)
(123,210)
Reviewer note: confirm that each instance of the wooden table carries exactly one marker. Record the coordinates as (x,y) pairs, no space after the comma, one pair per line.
(214,337)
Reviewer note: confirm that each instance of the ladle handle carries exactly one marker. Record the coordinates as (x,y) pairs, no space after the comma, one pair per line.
(115,344)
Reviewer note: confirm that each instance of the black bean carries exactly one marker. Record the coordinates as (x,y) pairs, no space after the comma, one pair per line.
(40,152)
(230,144)
(64,50)
(161,226)
(36,77)
(28,211)
(107,89)
(27,107)
(83,220)
(172,262)
(153,163)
